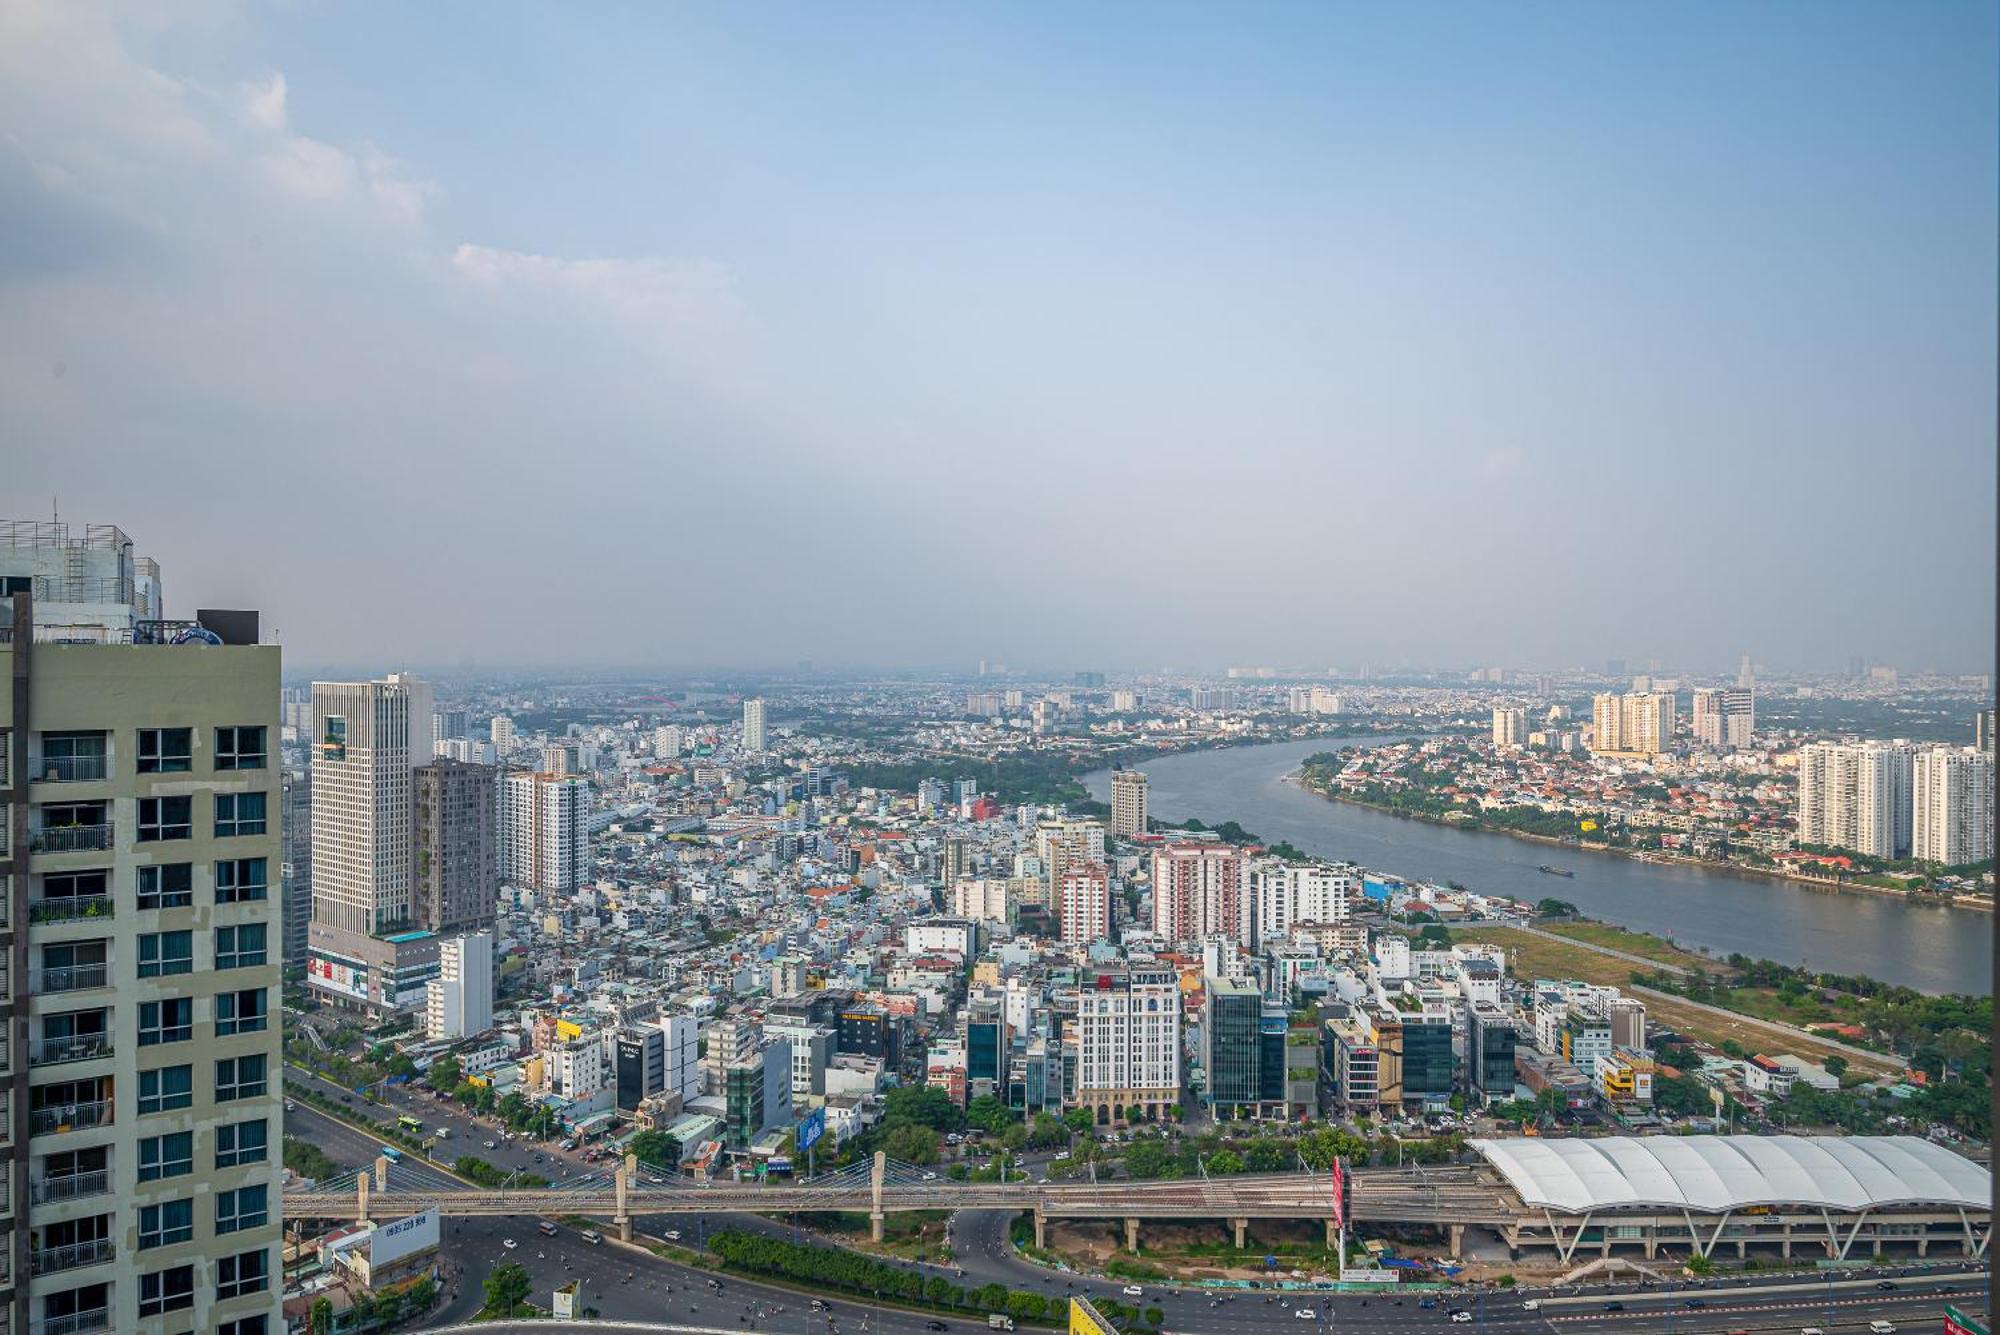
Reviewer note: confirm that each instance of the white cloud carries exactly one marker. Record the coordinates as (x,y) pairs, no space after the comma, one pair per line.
(264,104)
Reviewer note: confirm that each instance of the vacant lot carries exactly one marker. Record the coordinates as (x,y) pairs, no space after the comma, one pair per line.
(1634,943)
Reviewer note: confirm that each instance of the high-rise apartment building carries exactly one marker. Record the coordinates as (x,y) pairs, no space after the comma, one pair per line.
(1510,727)
(544,839)
(753,725)
(1202,889)
(501,730)
(1128,1030)
(1708,725)
(1856,796)
(1641,723)
(1290,893)
(295,876)
(1982,731)
(1952,805)
(447,725)
(459,1001)
(1128,803)
(1739,716)
(683,1055)
(139,764)
(1083,900)
(457,873)
(667,742)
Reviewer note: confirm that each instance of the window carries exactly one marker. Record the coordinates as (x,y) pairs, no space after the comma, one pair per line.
(239,1078)
(163,953)
(245,1272)
(238,813)
(164,1224)
(168,886)
(239,947)
(239,748)
(162,818)
(240,1012)
(333,738)
(245,1207)
(168,1021)
(241,1143)
(166,1291)
(245,1325)
(166,750)
(241,880)
(166,1156)
(166,1088)
(73,757)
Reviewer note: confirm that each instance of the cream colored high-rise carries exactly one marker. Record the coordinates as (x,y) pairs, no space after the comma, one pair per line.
(753,725)
(1856,796)
(142,1106)
(1952,805)
(1510,727)
(1641,723)
(1128,803)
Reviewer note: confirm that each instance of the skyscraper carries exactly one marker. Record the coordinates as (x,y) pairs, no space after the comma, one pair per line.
(1856,796)
(1128,1041)
(501,730)
(295,830)
(1510,727)
(1635,724)
(139,758)
(1952,805)
(1202,889)
(1084,903)
(1128,803)
(457,876)
(753,724)
(544,844)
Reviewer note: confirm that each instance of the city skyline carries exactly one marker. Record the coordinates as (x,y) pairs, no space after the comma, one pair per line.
(1390,340)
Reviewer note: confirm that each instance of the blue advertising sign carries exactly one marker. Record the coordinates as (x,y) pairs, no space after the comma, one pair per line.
(811,1129)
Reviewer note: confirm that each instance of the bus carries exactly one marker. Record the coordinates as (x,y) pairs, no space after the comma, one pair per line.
(391,1153)
(409,1123)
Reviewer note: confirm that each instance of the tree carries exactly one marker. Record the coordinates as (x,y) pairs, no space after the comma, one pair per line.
(507,1289)
(423,1294)
(912,1143)
(1836,1065)
(320,1318)
(922,1105)
(989,1114)
(444,1074)
(1150,1159)
(1225,1161)
(1080,1120)
(655,1147)
(1015,1137)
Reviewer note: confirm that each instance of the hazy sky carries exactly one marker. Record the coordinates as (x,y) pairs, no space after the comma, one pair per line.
(1074,335)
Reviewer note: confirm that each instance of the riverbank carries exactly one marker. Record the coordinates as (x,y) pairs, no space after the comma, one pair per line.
(1656,857)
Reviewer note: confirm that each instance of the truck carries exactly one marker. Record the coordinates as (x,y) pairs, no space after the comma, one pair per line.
(998,1322)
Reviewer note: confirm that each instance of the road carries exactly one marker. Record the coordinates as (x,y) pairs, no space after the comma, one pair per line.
(468,1133)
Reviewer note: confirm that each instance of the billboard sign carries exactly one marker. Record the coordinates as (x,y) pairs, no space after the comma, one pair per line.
(403,1237)
(811,1129)
(338,976)
(1958,1323)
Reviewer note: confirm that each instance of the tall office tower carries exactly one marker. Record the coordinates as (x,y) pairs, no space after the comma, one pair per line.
(1510,728)
(667,742)
(1739,716)
(544,843)
(369,737)
(1289,893)
(1231,1021)
(1745,679)
(1202,889)
(457,867)
(295,875)
(1083,913)
(138,762)
(683,1055)
(447,725)
(1708,725)
(1128,1030)
(1952,805)
(955,860)
(753,724)
(1856,796)
(1982,731)
(1128,803)
(459,1001)
(501,730)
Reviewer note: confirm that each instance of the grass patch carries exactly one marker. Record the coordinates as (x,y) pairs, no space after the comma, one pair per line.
(1633,943)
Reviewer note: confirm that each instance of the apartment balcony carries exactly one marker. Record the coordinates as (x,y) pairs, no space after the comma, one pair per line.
(78,1323)
(71,838)
(54,1260)
(72,978)
(72,1187)
(72,908)
(76,1048)
(72,769)
(54,1121)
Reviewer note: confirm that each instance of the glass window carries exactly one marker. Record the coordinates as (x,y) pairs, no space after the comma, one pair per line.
(166,1156)
(241,880)
(239,748)
(240,947)
(245,1207)
(166,750)
(241,1143)
(245,1272)
(166,1088)
(166,1291)
(239,1078)
(162,953)
(238,813)
(167,1021)
(241,1012)
(333,738)
(164,1224)
(168,886)
(162,818)
(245,1325)
(73,757)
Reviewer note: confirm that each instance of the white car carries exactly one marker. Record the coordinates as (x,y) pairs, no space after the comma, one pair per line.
(672,1235)
(1460,1315)
(1881,1328)
(492,1145)
(1305,1314)
(1532,1305)
(508,1243)
(1134,1291)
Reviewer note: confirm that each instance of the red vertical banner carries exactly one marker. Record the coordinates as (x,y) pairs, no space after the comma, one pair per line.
(1339,1196)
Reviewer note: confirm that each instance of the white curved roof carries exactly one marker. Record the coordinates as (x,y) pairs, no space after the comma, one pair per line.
(1716,1173)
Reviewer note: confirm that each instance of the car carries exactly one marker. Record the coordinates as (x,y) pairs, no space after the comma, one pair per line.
(1885,1284)
(1614,1307)
(1881,1328)
(1459,1316)
(1532,1305)
(930,1177)
(672,1235)
(546,1229)
(1428,1303)
(1811,1330)
(934,1325)
(509,1243)
(1305,1314)
(290,1106)
(1134,1291)
(492,1145)
(1695,1302)
(591,1236)
(567,1144)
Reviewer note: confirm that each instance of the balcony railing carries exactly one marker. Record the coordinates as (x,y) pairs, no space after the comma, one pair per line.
(77,1323)
(69,1117)
(50,1260)
(72,1187)
(77,1048)
(70,839)
(73,769)
(69,908)
(73,978)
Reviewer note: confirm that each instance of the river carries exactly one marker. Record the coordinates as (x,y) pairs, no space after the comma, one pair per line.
(1929,947)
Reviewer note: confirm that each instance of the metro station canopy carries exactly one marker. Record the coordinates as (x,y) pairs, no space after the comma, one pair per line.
(1714,1174)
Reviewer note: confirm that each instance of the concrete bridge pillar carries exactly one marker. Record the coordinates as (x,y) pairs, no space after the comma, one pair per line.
(1242,1226)
(1924,1243)
(875,1177)
(1041,1228)
(1333,1236)
(361,1201)
(1132,1235)
(1742,1249)
(619,1216)
(381,1172)
(1456,1234)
